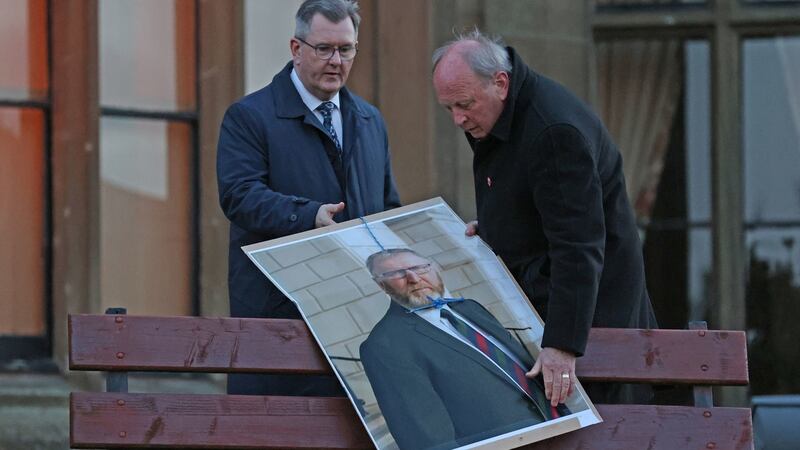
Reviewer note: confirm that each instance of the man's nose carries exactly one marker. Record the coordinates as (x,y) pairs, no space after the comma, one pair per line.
(459,118)
(336,58)
(412,276)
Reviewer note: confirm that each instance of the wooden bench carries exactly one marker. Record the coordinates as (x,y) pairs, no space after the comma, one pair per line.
(119,343)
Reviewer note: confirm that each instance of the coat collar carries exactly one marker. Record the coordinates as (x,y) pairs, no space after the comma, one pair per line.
(289,105)
(519,76)
(468,310)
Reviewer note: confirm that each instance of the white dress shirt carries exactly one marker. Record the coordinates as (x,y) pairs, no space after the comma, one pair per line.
(313,102)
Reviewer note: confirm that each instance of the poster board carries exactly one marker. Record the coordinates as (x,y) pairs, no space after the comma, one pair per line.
(417,372)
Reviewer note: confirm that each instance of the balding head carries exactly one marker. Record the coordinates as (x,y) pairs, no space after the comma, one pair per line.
(471,78)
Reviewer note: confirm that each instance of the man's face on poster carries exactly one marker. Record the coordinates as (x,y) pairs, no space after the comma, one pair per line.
(408,279)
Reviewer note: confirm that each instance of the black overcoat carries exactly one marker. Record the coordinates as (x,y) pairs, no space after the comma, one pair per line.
(552,204)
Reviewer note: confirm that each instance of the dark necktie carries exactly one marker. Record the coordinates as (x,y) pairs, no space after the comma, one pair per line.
(507,364)
(335,157)
(326,108)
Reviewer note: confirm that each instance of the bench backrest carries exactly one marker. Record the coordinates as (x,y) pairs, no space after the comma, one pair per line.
(198,344)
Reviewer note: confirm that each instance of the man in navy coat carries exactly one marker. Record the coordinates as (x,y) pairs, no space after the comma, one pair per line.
(301,153)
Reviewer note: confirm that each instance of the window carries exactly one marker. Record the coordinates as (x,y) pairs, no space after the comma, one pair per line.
(653,94)
(771,135)
(24,195)
(147,155)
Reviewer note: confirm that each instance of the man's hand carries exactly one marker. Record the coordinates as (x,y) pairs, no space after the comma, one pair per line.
(472,228)
(325,214)
(553,364)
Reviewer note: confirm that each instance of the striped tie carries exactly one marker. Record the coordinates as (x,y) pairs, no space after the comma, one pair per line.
(510,366)
(325,108)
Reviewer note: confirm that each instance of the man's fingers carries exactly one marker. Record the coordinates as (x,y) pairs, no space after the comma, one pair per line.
(561,393)
(572,381)
(548,383)
(326,212)
(556,389)
(472,228)
(535,370)
(337,208)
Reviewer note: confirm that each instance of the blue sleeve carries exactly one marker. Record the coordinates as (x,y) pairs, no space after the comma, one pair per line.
(243,172)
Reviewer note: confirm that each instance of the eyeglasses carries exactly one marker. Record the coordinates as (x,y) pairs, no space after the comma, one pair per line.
(326,51)
(401,273)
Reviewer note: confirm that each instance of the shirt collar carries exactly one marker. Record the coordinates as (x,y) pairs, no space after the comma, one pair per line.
(308,98)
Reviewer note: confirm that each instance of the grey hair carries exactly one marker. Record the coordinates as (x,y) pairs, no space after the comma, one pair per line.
(382,255)
(486,59)
(333,10)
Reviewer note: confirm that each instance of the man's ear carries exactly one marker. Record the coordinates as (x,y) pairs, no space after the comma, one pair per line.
(502,82)
(294,47)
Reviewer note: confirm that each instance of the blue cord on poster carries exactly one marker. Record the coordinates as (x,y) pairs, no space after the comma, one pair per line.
(366,225)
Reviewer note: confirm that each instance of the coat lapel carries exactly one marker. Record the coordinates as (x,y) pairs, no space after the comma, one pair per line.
(289,105)
(489,324)
(426,329)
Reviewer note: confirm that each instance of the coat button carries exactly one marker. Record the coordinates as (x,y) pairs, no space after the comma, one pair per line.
(293,217)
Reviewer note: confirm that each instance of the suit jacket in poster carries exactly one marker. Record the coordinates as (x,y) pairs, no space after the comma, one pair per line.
(437,392)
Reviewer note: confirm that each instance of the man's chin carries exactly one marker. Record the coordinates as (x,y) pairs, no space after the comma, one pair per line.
(477,134)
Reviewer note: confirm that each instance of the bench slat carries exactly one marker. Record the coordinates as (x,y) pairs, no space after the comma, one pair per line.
(199,344)
(192,344)
(213,421)
(653,356)
(217,421)
(639,427)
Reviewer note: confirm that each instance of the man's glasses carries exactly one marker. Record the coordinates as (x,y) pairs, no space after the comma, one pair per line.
(401,273)
(326,52)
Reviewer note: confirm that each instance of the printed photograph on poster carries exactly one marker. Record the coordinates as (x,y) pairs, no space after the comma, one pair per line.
(425,328)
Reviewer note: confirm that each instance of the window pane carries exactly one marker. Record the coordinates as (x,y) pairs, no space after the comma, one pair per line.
(22,202)
(639,99)
(698,130)
(772,129)
(145,209)
(23,49)
(773,308)
(654,96)
(268,24)
(700,272)
(147,54)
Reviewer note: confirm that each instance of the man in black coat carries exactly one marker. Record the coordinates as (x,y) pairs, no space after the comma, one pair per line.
(434,386)
(303,152)
(551,202)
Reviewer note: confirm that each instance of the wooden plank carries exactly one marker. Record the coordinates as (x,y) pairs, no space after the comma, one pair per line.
(192,344)
(199,344)
(661,356)
(218,421)
(213,421)
(648,427)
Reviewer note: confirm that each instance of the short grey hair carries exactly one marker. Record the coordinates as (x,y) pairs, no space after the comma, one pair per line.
(378,257)
(488,58)
(333,10)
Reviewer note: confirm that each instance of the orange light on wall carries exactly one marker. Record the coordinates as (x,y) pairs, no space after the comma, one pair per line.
(23,50)
(22,206)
